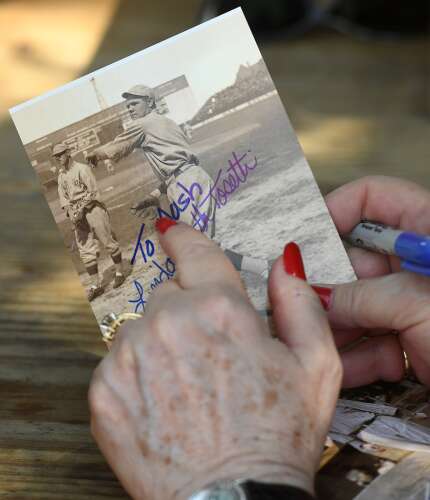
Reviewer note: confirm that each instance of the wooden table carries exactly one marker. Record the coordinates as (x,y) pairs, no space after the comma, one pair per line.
(356,107)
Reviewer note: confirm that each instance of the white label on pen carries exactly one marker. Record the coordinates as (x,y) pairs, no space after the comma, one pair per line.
(374,237)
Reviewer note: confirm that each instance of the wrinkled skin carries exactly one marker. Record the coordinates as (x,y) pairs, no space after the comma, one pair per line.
(383,299)
(197,390)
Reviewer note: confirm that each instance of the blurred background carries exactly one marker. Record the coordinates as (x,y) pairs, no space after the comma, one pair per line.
(354,76)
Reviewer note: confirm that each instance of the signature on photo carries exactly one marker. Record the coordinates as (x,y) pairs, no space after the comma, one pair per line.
(146,249)
(225,184)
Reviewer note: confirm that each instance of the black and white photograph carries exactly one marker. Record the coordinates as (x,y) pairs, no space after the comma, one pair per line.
(191,129)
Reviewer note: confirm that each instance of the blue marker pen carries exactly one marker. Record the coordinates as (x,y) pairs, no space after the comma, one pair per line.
(412,249)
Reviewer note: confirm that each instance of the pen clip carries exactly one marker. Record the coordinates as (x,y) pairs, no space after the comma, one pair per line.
(415,268)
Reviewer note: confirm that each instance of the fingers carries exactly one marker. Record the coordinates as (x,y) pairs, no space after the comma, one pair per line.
(397,302)
(299,318)
(419,358)
(199,261)
(346,337)
(379,358)
(368,264)
(390,200)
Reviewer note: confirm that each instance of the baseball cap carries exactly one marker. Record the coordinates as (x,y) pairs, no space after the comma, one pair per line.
(60,148)
(139,91)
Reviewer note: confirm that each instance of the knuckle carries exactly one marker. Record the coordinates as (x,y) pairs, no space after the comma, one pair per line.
(327,365)
(220,299)
(355,298)
(223,301)
(335,368)
(164,325)
(199,249)
(319,361)
(162,319)
(100,399)
(125,354)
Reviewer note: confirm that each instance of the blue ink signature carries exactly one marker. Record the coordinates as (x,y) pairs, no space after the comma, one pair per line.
(226,183)
(166,270)
(237,174)
(140,301)
(147,249)
(166,273)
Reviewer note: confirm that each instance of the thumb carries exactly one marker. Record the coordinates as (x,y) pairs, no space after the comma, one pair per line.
(300,320)
(398,301)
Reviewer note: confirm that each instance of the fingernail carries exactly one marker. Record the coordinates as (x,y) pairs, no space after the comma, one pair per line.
(293,263)
(324,294)
(163,223)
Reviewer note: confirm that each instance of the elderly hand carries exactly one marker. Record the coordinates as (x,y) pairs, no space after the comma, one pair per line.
(198,391)
(393,310)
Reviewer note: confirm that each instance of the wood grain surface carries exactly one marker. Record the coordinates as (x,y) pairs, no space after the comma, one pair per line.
(358,107)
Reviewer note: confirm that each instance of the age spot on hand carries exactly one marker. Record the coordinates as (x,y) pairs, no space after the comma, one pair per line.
(273,375)
(297,440)
(166,439)
(144,448)
(226,364)
(270,399)
(250,407)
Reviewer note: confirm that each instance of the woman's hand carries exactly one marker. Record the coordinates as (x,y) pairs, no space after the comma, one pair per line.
(394,202)
(381,302)
(198,391)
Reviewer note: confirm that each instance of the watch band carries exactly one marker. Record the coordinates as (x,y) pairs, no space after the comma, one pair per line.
(111,323)
(250,490)
(221,490)
(267,491)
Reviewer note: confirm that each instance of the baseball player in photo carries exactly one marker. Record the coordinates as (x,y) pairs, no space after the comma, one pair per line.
(168,152)
(80,199)
(167,149)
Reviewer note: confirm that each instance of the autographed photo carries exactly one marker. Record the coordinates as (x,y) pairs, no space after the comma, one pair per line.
(192,129)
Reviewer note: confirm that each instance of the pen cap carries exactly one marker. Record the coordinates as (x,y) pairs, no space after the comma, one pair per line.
(414,248)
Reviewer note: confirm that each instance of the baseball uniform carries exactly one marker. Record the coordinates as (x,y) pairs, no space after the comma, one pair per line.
(77,188)
(167,150)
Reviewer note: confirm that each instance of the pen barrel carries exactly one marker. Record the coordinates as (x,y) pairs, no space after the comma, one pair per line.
(374,237)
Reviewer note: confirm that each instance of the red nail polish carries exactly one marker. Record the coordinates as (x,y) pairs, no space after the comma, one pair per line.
(163,223)
(325,295)
(293,263)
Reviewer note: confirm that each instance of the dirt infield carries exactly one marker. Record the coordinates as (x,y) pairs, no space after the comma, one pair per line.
(278,203)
